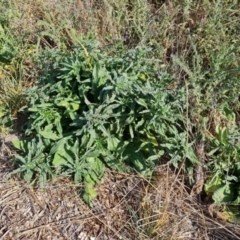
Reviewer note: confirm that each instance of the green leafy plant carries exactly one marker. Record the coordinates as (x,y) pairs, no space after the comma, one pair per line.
(224,184)
(92,110)
(33,162)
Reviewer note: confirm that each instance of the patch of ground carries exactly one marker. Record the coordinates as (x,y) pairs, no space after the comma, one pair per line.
(128,207)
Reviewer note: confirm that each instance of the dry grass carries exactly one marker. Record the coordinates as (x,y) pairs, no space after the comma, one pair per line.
(127,207)
(163,25)
(171,211)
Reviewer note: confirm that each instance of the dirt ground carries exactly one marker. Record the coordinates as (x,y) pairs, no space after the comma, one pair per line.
(127,207)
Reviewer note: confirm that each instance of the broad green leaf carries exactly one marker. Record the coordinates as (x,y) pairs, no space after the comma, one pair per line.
(92,138)
(49,135)
(142,102)
(46,142)
(156,157)
(92,154)
(152,139)
(75,106)
(21,145)
(88,179)
(131,131)
(211,153)
(95,73)
(61,156)
(59,144)
(224,135)
(109,108)
(28,175)
(87,199)
(90,190)
(104,130)
(139,124)
(224,193)
(77,176)
(59,159)
(43,179)
(144,112)
(76,148)
(192,156)
(135,158)
(87,102)
(94,177)
(112,143)
(21,158)
(63,103)
(214,183)
(168,146)
(232,178)
(142,146)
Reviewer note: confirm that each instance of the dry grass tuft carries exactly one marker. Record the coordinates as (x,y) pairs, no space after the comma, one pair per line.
(170,211)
